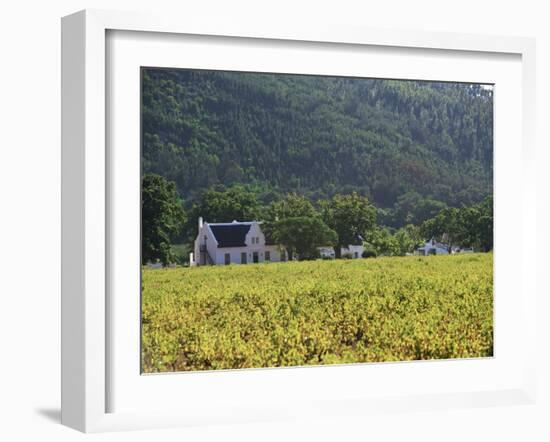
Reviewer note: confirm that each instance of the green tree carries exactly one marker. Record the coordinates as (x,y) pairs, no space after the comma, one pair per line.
(218,205)
(485,224)
(291,206)
(446,225)
(469,222)
(303,236)
(407,239)
(382,242)
(468,226)
(349,216)
(477,225)
(413,208)
(162,217)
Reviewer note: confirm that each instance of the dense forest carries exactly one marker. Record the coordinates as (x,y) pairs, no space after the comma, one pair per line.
(411,147)
(412,159)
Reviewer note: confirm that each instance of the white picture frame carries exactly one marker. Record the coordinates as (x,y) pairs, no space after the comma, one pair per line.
(86,206)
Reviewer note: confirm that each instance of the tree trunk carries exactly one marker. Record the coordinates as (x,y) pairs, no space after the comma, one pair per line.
(290,253)
(337,251)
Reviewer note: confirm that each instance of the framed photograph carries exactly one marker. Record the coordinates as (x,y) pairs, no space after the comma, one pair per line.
(266,224)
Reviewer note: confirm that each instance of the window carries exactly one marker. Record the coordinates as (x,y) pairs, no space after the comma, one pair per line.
(227,258)
(267,255)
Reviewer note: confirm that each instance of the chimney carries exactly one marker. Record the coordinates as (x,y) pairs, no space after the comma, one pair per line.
(200,222)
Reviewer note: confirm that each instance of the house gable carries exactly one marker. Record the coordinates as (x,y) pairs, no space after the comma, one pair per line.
(255,236)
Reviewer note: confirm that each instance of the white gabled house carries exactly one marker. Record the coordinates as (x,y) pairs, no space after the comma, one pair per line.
(326,252)
(433,247)
(236,242)
(355,251)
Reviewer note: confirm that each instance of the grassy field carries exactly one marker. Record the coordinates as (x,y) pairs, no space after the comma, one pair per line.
(317,312)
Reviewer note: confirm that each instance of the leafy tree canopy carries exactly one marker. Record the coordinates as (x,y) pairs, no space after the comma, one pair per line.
(291,206)
(350,216)
(468,226)
(162,218)
(223,204)
(303,236)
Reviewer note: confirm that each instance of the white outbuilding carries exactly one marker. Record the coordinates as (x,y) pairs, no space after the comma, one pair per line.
(353,251)
(433,247)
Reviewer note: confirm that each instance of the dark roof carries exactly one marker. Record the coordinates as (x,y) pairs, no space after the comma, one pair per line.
(230,235)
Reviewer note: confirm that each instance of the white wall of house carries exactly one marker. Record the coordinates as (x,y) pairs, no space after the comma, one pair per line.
(326,252)
(235,254)
(204,237)
(255,236)
(255,247)
(356,251)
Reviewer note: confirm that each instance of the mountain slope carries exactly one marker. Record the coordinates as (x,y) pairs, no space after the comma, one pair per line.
(391,140)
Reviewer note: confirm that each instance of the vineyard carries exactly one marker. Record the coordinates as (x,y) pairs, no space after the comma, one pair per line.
(317,312)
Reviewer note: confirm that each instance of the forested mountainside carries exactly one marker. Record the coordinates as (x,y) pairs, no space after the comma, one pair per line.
(412,147)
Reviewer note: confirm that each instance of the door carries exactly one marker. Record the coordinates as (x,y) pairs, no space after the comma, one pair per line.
(243,258)
(255,257)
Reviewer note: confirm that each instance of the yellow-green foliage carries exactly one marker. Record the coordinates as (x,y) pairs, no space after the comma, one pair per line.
(317,312)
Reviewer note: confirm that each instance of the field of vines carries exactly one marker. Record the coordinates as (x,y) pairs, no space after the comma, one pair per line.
(317,312)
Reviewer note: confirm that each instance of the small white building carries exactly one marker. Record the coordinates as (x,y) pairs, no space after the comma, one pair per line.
(354,251)
(327,252)
(433,247)
(236,242)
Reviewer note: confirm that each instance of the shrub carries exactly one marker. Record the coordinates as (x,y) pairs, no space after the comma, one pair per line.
(369,253)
